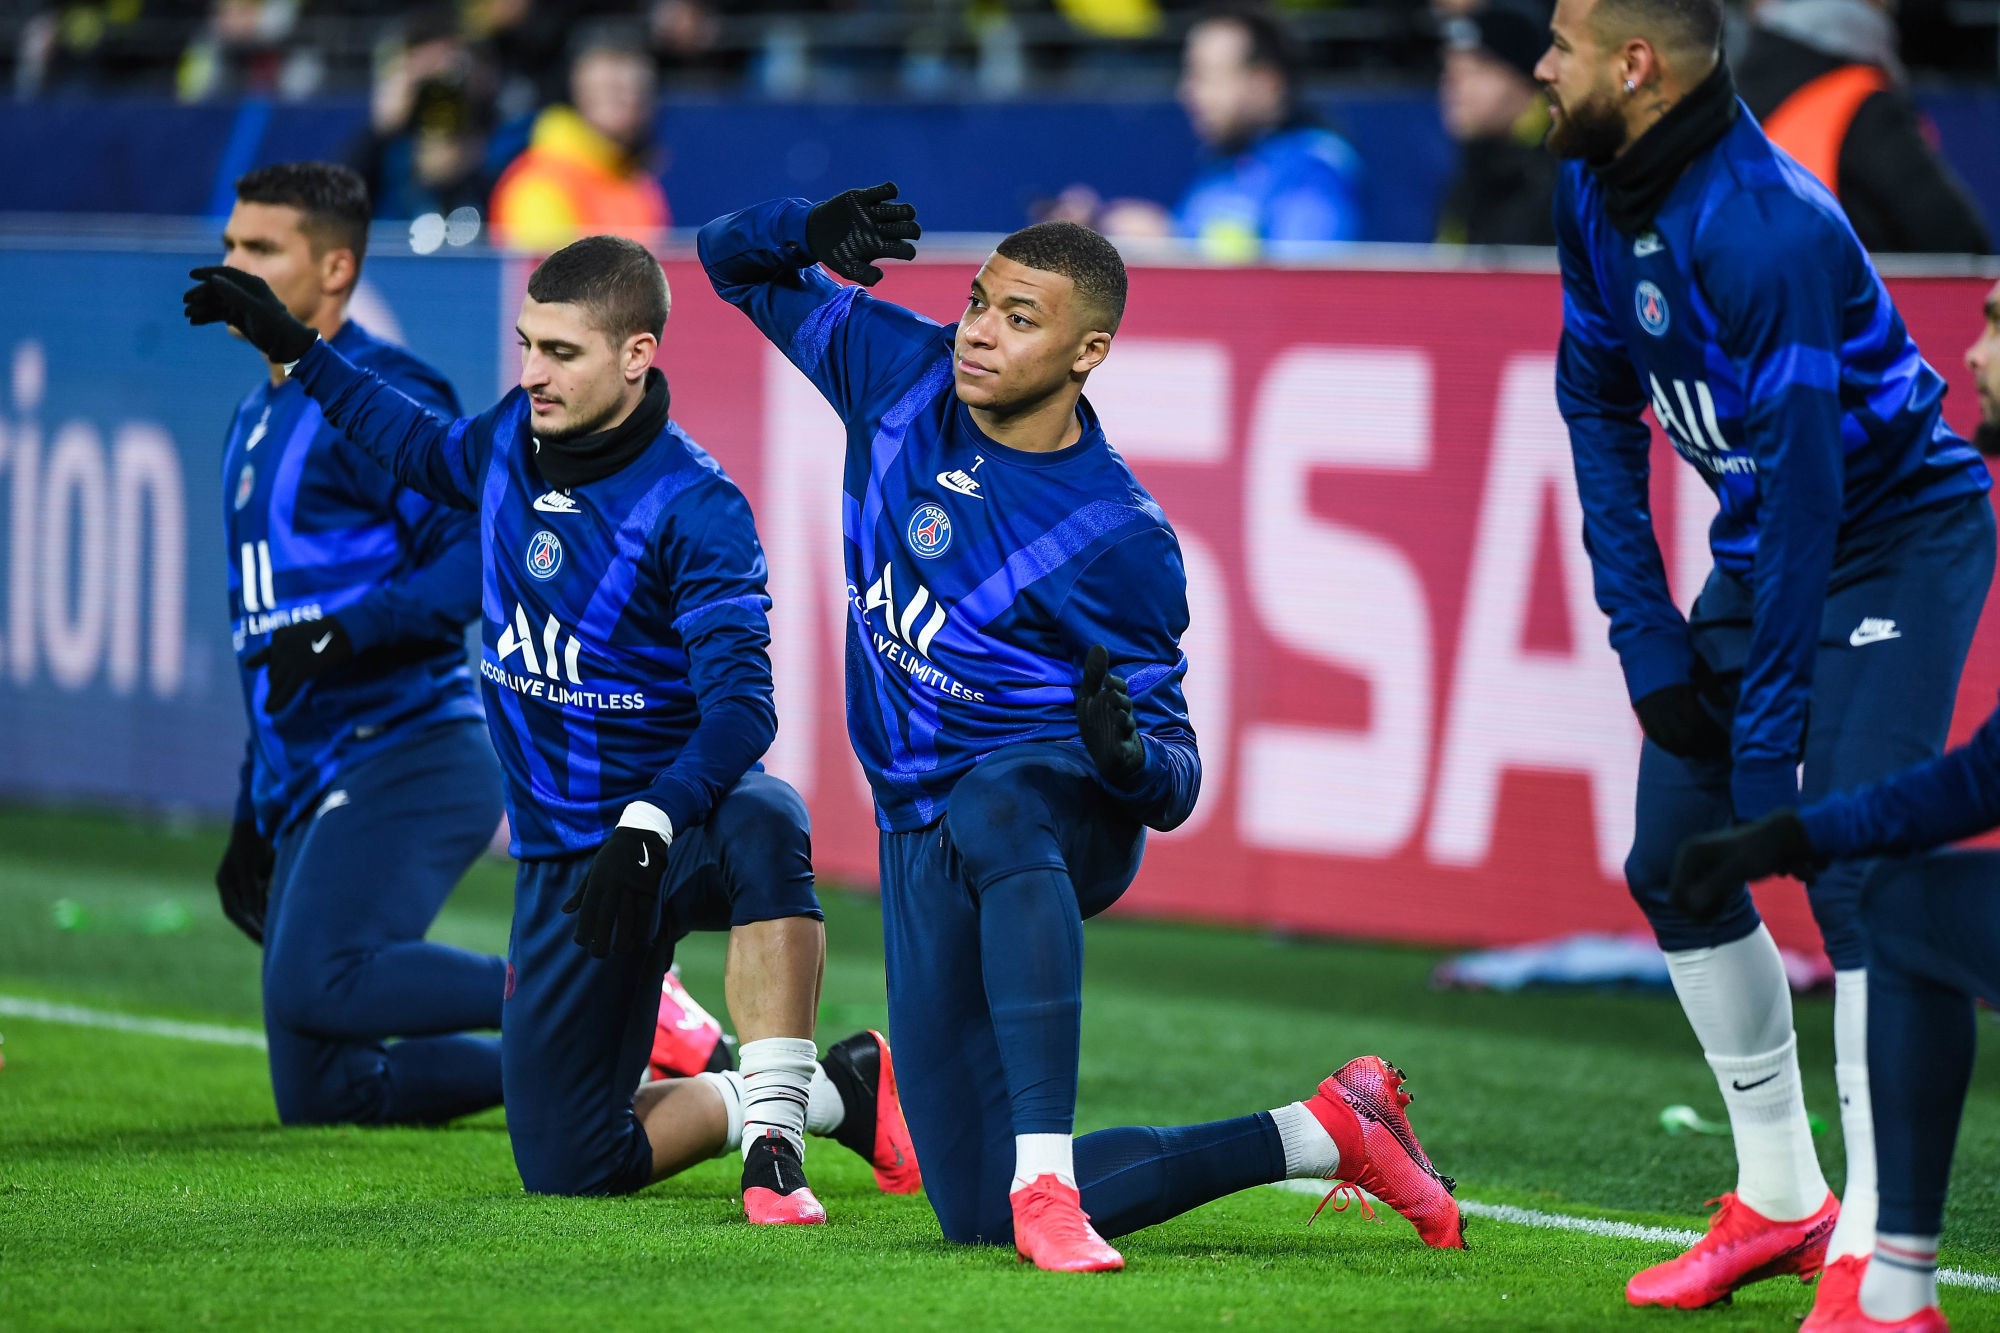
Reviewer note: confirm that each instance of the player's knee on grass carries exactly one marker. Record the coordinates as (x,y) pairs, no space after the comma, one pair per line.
(603,1160)
(766,835)
(326,1083)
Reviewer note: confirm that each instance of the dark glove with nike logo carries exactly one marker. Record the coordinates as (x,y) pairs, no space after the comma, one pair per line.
(1104,716)
(1710,867)
(244,879)
(296,654)
(1673,719)
(850,231)
(245,302)
(618,904)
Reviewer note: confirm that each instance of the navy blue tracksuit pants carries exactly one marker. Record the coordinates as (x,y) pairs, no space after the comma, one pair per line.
(1933,926)
(982,917)
(1901,608)
(577,1029)
(346,966)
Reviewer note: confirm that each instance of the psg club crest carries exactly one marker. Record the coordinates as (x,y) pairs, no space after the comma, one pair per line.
(246,485)
(1651,303)
(544,555)
(930,531)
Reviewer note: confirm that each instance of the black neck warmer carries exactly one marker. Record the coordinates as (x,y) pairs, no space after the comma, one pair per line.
(1637,182)
(587,458)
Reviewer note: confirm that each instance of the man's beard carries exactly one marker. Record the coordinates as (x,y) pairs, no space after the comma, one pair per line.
(1986,438)
(1591,129)
(576,430)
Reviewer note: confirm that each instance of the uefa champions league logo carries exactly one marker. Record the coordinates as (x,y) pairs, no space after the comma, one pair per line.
(930,531)
(544,555)
(1651,304)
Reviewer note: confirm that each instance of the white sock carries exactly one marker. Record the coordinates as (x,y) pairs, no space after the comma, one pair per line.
(1901,1277)
(824,1111)
(729,1086)
(1310,1153)
(777,1086)
(1776,1171)
(1038,1155)
(1740,1007)
(1854,1234)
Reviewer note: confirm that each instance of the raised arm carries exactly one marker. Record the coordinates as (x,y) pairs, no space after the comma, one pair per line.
(438,459)
(764,261)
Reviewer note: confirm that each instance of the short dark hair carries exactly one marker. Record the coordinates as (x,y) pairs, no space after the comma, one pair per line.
(1273,45)
(618,282)
(1079,254)
(1686,25)
(333,198)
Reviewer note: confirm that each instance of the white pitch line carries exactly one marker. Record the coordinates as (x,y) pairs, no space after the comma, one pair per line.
(17,1006)
(1615,1230)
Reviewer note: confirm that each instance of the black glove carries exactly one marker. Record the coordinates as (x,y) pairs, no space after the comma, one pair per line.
(1104,716)
(1711,866)
(1674,720)
(247,304)
(617,905)
(850,230)
(297,653)
(244,877)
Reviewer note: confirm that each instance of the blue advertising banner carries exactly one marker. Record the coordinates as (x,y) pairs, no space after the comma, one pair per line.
(115,673)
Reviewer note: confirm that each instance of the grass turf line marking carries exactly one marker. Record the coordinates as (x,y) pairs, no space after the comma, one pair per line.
(1604,1226)
(16,1006)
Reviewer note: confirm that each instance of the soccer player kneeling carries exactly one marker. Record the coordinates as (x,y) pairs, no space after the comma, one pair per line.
(1000,559)
(628,691)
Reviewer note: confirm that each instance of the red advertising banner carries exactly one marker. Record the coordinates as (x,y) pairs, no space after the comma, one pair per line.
(1411,724)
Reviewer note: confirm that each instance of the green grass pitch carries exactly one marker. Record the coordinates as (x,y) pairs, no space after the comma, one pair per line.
(144,1182)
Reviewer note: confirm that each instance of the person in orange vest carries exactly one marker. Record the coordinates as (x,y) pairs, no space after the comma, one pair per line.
(1824,78)
(587,166)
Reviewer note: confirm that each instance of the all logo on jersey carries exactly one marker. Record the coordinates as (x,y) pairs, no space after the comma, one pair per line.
(561,654)
(544,555)
(1695,429)
(1648,243)
(930,531)
(555,502)
(1651,303)
(246,485)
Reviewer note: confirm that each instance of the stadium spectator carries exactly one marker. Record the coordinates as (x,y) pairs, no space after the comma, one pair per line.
(588,163)
(1492,106)
(1983,360)
(1274,174)
(246,48)
(1825,79)
(424,147)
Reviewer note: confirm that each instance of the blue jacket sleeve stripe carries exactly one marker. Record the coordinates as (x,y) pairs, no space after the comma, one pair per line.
(1798,366)
(747,602)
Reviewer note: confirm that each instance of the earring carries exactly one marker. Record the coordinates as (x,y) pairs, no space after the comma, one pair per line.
(1630,87)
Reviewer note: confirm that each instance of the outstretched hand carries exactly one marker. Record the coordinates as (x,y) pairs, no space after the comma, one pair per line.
(245,302)
(850,231)
(1104,716)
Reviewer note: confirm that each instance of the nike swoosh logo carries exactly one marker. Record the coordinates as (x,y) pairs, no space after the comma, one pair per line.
(1745,1087)
(319,644)
(1858,639)
(646,859)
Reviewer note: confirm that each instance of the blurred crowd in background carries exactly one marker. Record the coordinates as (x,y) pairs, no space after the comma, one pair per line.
(535,121)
